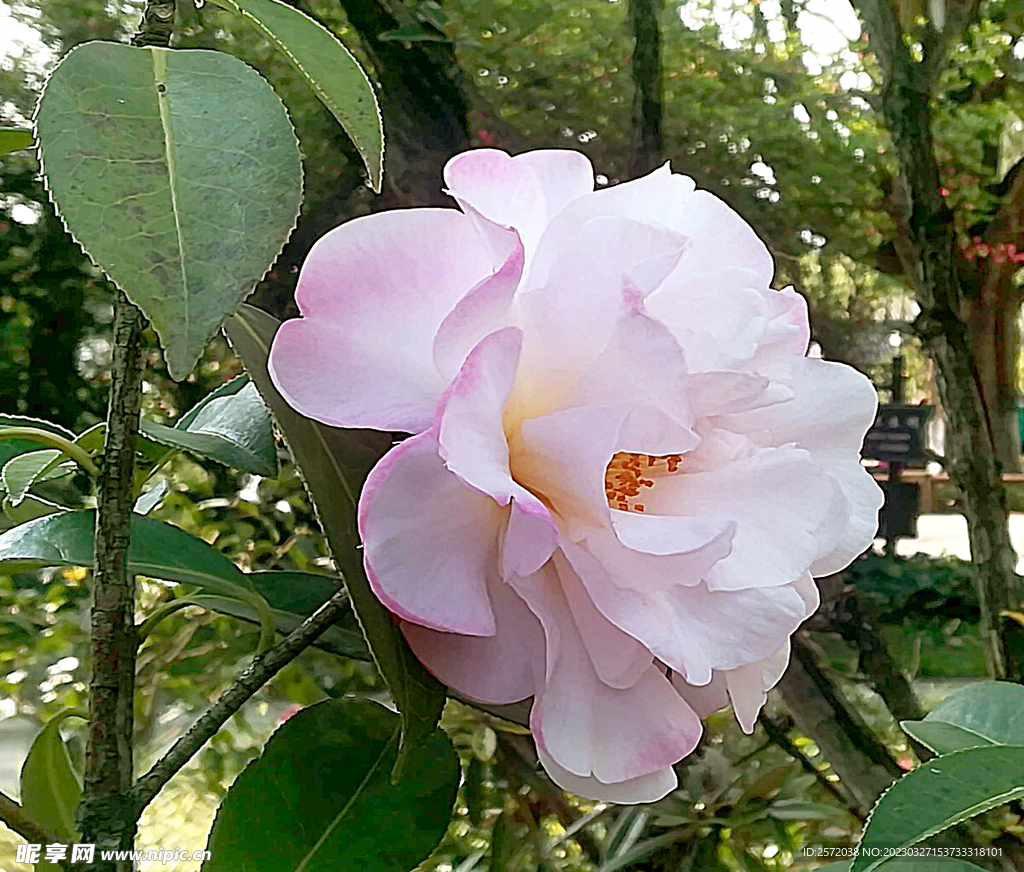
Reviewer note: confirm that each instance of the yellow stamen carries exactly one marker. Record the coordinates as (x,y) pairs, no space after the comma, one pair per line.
(625,476)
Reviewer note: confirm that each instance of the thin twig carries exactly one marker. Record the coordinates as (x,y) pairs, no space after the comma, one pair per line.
(778,735)
(259,672)
(17,819)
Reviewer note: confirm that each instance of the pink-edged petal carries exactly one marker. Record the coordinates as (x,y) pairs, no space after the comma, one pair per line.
(705,699)
(502,189)
(564,456)
(430,541)
(692,629)
(777,497)
(498,669)
(719,320)
(372,293)
(472,445)
(749,685)
(572,299)
(642,365)
(721,392)
(565,175)
(618,658)
(833,440)
(643,788)
(688,548)
(485,309)
(588,727)
(724,237)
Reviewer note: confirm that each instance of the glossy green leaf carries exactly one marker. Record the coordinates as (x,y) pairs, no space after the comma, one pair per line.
(234,429)
(983,714)
(294,596)
(320,798)
(179,174)
(14,139)
(937,795)
(911,864)
(21,472)
(50,787)
(330,70)
(13,447)
(334,464)
(30,508)
(157,550)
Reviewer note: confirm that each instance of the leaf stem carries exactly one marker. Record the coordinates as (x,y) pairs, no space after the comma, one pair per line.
(54,440)
(261,670)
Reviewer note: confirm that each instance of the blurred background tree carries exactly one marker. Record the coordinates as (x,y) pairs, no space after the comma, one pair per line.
(772,105)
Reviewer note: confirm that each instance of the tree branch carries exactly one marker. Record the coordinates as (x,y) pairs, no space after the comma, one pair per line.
(18,820)
(646,71)
(259,672)
(108,768)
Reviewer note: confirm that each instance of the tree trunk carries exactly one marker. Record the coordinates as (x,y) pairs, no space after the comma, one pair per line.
(647,147)
(931,258)
(995,336)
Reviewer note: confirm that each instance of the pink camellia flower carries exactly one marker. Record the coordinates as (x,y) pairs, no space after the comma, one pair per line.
(625,471)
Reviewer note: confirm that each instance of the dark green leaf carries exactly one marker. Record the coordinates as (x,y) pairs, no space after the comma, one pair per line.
(14,139)
(233,429)
(937,795)
(157,550)
(334,464)
(983,714)
(330,70)
(29,509)
(21,472)
(319,799)
(179,174)
(13,447)
(50,787)
(294,596)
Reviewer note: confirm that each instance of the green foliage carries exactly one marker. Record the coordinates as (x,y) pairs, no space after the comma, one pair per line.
(231,426)
(916,585)
(334,463)
(153,167)
(50,786)
(14,139)
(157,550)
(937,795)
(320,797)
(984,714)
(330,70)
(912,865)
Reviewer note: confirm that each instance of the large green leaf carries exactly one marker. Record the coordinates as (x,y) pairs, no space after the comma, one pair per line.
(330,70)
(15,139)
(50,787)
(179,174)
(983,714)
(938,794)
(319,799)
(13,447)
(334,462)
(233,428)
(157,550)
(912,864)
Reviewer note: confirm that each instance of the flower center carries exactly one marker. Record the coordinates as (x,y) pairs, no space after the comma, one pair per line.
(628,473)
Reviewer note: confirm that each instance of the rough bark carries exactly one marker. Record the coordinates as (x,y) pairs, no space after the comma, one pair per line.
(103,813)
(647,147)
(929,257)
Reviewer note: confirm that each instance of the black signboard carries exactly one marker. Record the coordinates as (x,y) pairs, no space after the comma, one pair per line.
(898,434)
